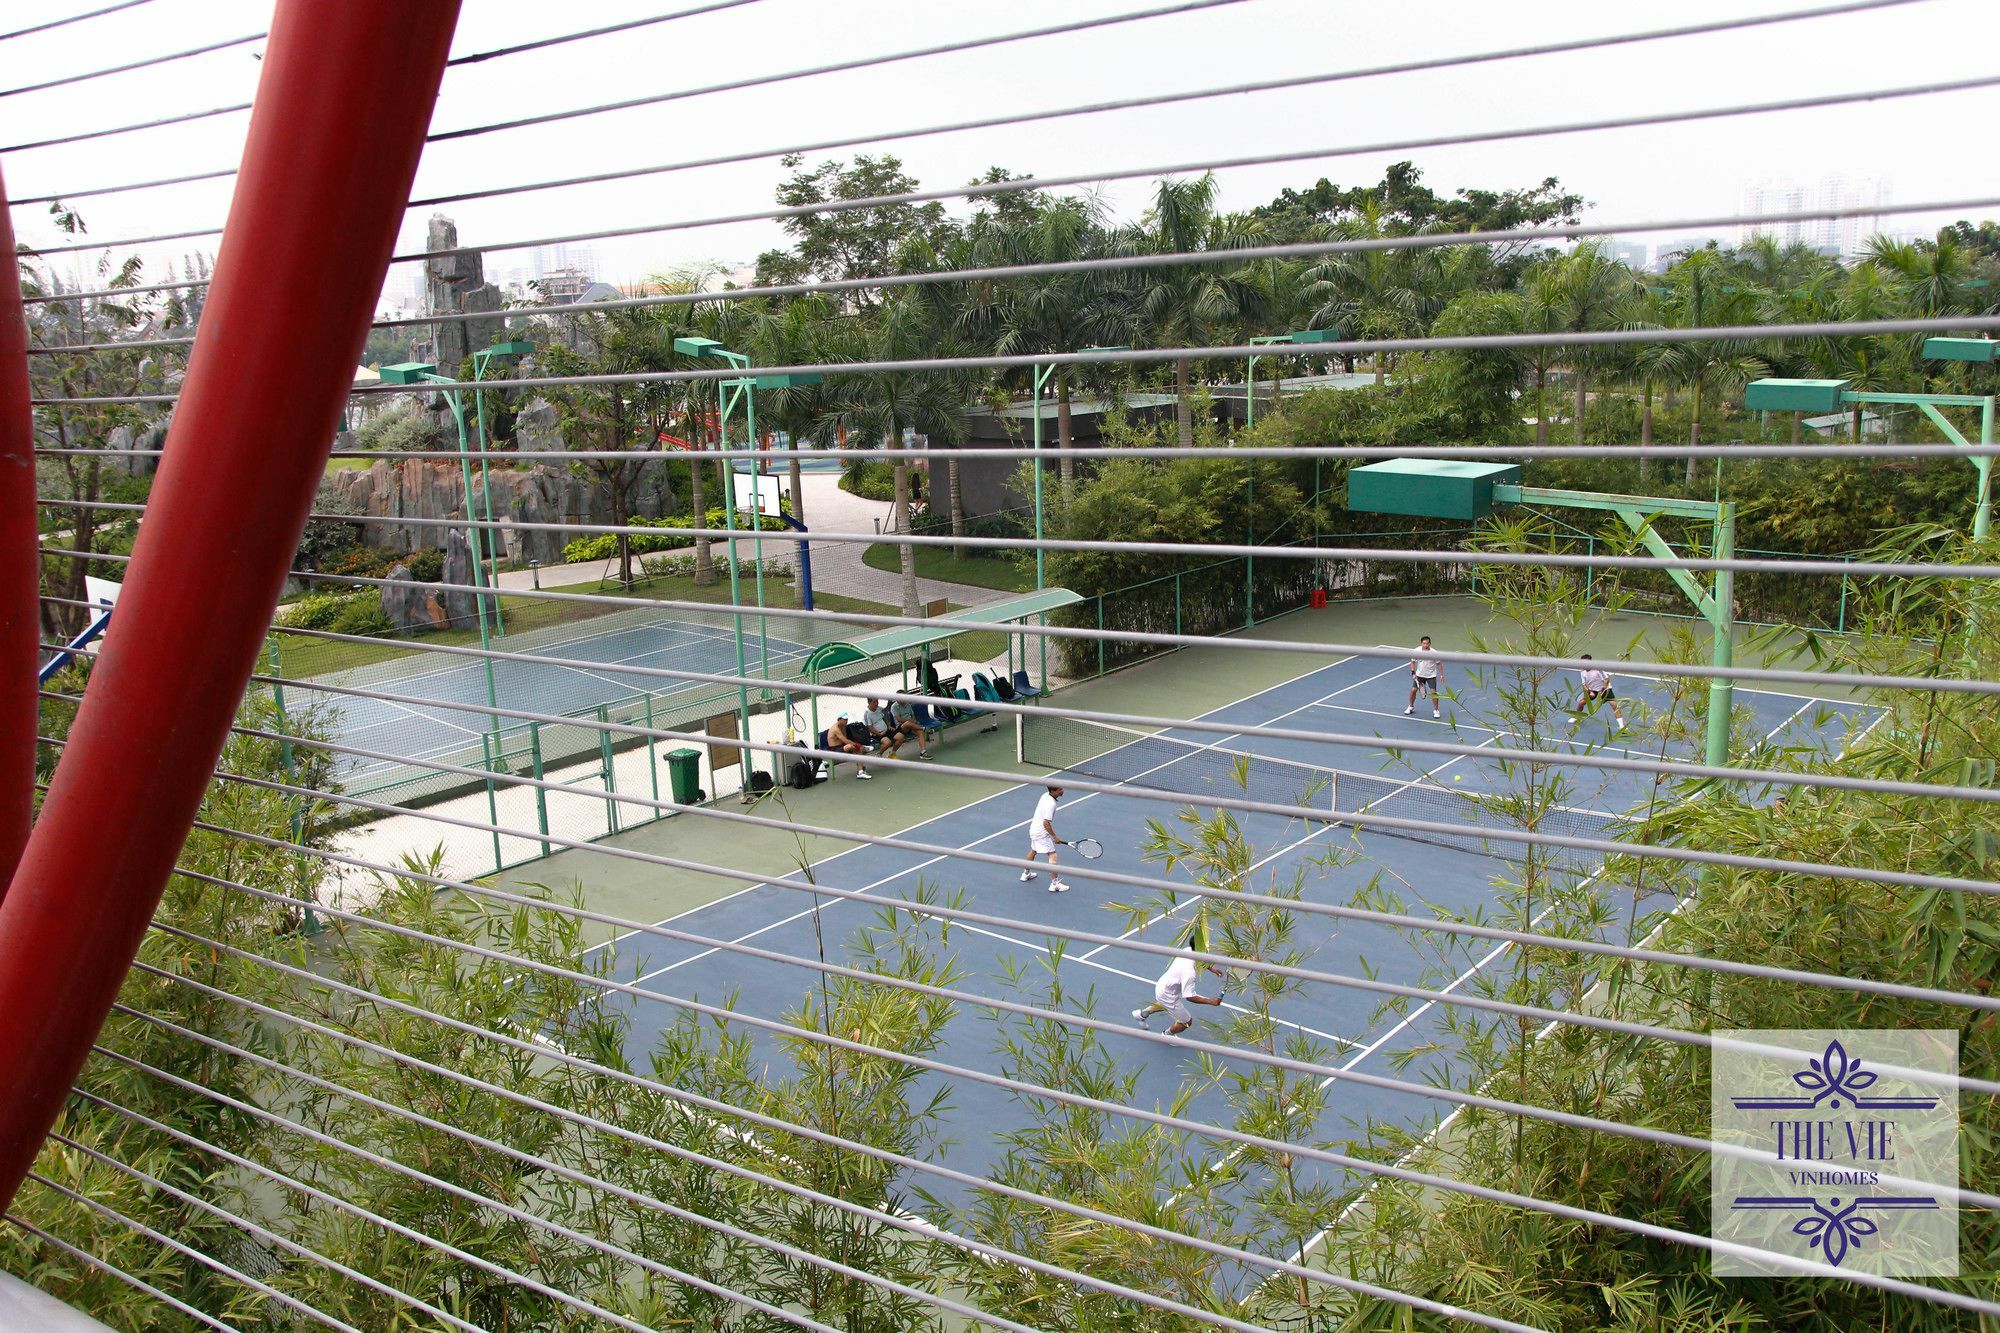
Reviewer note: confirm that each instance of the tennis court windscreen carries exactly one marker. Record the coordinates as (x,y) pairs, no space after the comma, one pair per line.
(1459,819)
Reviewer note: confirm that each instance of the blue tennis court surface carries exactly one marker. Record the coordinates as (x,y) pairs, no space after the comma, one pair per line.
(1354,1029)
(436,727)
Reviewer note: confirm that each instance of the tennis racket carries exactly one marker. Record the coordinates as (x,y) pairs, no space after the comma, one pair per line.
(1087,848)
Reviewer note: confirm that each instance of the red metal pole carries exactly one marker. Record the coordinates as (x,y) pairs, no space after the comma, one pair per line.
(20,571)
(341,110)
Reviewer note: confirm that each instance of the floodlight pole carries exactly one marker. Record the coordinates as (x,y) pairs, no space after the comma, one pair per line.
(727,394)
(481,359)
(1716,602)
(492,748)
(1829,395)
(1043,374)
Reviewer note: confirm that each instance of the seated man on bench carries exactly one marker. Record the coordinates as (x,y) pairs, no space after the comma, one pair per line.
(844,737)
(892,726)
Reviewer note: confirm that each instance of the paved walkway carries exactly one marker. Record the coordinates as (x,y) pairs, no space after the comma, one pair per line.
(837,566)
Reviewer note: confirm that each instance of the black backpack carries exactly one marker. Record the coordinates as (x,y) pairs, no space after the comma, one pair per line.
(801,775)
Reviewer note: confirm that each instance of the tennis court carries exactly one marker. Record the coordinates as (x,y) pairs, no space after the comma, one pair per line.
(1452,875)
(442,726)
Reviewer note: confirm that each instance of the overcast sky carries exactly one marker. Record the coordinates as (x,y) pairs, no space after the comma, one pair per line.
(1929,148)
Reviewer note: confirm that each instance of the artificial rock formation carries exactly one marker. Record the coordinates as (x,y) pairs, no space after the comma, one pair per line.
(429,488)
(456,283)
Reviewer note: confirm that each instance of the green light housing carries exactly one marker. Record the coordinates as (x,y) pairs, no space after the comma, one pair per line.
(516,348)
(1961,349)
(1795,395)
(697,346)
(1428,487)
(408,372)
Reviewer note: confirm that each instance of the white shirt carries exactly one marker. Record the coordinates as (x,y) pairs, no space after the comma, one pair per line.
(1176,982)
(1594,680)
(1426,668)
(1045,811)
(876,719)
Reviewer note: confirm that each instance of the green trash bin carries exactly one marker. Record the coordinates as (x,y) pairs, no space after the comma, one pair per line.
(684,776)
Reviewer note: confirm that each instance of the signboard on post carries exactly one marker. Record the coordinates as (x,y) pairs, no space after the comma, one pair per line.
(723,728)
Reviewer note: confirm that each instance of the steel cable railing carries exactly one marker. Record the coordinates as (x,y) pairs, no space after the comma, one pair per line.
(315,999)
(1265,1144)
(477,57)
(1223,1055)
(1158,170)
(710,1106)
(1427,240)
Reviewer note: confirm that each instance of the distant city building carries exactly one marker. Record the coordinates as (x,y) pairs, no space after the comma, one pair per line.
(563,285)
(1668,253)
(1839,237)
(1630,253)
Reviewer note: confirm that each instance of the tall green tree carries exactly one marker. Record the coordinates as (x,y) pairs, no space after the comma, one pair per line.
(1045,312)
(877,405)
(1184,304)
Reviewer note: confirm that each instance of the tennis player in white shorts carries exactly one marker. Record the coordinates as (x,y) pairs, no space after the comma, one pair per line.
(1596,690)
(1174,992)
(1042,839)
(1426,677)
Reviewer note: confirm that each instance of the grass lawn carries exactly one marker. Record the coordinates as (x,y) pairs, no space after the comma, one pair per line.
(937,562)
(303,655)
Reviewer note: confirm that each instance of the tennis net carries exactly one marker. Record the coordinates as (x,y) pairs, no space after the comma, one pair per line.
(1464,820)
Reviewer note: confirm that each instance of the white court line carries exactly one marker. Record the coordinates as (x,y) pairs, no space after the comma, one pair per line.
(1011,792)
(1230,1156)
(1235,735)
(1135,977)
(1439,1128)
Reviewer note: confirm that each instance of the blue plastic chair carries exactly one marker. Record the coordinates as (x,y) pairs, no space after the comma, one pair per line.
(1022,686)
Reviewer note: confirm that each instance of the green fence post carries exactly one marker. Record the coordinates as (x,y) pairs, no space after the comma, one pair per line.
(541,793)
(1590,571)
(610,770)
(652,754)
(1100,631)
(487,744)
(1177,604)
(1842,628)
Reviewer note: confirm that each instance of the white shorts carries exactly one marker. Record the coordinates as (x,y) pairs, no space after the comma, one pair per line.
(1042,844)
(1176,1009)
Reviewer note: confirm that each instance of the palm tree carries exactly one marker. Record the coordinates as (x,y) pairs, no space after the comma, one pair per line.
(1386,293)
(1188,305)
(1044,312)
(1596,292)
(1696,296)
(879,405)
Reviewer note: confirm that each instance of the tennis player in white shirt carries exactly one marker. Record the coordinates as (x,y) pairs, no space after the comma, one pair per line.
(1596,690)
(1042,839)
(1174,992)
(1426,677)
